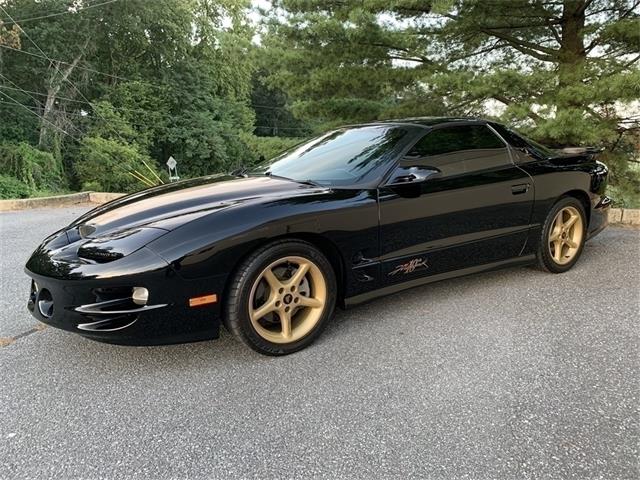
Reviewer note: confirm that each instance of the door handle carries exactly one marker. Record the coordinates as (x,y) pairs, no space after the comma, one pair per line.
(520,188)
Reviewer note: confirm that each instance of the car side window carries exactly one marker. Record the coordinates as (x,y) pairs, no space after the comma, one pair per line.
(457,150)
(513,138)
(523,143)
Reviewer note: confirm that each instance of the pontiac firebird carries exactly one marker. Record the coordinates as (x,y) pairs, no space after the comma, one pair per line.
(359,212)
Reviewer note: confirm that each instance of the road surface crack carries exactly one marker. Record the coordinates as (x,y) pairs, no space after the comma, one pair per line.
(6,341)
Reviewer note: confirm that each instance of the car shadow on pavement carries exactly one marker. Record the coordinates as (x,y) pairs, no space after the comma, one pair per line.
(377,313)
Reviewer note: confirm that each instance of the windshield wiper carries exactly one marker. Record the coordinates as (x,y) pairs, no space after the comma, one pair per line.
(303,182)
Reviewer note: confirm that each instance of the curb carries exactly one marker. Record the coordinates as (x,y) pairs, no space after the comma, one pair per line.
(624,216)
(58,201)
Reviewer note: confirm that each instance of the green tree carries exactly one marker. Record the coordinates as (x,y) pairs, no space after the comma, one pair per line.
(561,66)
(347,61)
(273,115)
(558,69)
(163,77)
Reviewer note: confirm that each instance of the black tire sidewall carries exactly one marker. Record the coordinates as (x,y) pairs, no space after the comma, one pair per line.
(238,312)
(544,256)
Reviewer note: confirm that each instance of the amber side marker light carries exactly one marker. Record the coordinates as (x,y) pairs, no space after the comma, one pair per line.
(204,300)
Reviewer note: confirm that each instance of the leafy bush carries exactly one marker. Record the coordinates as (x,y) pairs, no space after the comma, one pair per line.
(624,177)
(112,166)
(269,147)
(36,169)
(11,187)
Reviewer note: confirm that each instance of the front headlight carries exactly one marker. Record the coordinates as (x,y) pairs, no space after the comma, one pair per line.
(117,245)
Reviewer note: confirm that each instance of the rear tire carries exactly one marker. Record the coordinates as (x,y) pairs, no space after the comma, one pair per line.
(563,236)
(281,297)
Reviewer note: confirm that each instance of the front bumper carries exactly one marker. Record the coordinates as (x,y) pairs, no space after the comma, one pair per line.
(94,300)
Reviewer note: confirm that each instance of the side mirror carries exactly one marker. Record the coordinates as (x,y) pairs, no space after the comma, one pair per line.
(411,175)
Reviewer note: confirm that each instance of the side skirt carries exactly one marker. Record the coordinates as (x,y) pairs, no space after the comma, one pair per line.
(364,297)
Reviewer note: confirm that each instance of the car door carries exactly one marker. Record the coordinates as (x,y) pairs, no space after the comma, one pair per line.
(455,200)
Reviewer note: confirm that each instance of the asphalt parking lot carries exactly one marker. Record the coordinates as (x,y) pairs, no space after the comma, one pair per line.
(511,374)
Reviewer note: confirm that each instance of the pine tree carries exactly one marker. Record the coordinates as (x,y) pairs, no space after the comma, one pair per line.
(564,71)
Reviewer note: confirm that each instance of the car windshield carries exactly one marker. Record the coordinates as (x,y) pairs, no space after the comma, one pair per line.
(346,156)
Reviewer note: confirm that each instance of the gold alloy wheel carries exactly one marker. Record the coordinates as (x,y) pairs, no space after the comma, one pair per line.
(287,299)
(565,236)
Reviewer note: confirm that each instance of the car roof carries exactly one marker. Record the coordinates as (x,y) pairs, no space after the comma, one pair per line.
(425,121)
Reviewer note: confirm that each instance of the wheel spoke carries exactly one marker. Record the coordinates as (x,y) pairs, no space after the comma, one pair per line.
(571,243)
(285,322)
(557,250)
(569,223)
(297,277)
(272,280)
(310,302)
(268,307)
(558,223)
(557,229)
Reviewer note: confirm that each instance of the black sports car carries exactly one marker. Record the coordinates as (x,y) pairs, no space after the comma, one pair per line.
(359,212)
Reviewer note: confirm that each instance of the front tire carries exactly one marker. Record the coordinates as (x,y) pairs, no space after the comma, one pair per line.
(563,236)
(281,297)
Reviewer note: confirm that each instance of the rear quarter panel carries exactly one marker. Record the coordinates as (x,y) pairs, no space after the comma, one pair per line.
(580,176)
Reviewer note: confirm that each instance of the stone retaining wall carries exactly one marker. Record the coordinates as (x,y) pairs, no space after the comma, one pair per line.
(58,201)
(624,216)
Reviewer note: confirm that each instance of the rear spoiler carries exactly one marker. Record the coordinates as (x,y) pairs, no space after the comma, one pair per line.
(582,150)
(571,155)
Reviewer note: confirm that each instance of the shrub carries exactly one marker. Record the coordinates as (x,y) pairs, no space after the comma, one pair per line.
(624,178)
(11,187)
(109,165)
(36,169)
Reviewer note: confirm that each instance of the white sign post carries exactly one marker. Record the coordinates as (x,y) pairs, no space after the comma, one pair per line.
(173,169)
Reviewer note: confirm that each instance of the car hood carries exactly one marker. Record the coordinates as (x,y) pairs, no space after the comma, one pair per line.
(172,205)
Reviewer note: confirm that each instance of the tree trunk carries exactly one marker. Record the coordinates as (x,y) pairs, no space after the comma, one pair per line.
(52,91)
(572,53)
(57,78)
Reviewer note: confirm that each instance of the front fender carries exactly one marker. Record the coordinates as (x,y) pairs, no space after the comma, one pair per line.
(216,243)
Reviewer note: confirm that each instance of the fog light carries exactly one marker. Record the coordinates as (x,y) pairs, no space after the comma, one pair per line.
(45,303)
(140,295)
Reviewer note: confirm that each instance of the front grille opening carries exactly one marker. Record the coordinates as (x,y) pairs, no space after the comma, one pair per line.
(33,296)
(110,324)
(112,293)
(115,293)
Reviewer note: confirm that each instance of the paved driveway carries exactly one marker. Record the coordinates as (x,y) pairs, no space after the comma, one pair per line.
(512,374)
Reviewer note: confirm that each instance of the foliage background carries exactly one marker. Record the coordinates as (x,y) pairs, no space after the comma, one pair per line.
(97,94)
